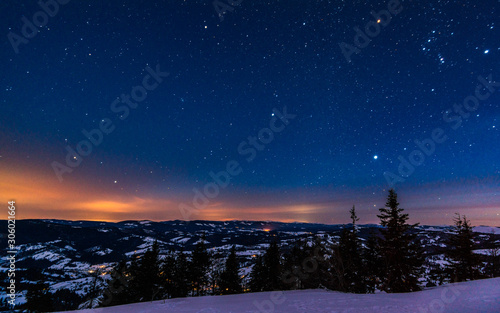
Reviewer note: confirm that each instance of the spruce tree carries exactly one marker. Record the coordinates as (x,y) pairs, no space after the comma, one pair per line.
(337,270)
(351,253)
(464,263)
(181,280)
(294,276)
(401,253)
(167,276)
(267,273)
(372,262)
(145,283)
(150,273)
(310,268)
(230,282)
(257,275)
(273,268)
(132,292)
(200,262)
(217,266)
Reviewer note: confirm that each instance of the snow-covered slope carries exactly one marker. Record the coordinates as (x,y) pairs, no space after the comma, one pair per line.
(487,230)
(482,296)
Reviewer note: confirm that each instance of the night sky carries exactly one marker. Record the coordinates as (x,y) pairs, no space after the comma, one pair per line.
(348,126)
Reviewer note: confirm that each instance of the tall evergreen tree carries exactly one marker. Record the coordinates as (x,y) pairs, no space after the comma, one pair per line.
(258,275)
(337,270)
(351,253)
(305,266)
(167,276)
(273,267)
(200,264)
(150,268)
(230,282)
(145,283)
(372,262)
(401,253)
(267,273)
(132,292)
(181,280)
(464,263)
(294,276)
(217,267)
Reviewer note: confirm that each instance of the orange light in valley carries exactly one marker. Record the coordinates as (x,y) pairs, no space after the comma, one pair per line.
(266,229)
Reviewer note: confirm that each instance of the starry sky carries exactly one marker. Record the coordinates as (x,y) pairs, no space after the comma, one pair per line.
(230,78)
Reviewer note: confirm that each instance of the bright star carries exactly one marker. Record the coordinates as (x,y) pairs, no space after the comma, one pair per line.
(375,157)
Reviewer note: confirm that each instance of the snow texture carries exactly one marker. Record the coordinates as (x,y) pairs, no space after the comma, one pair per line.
(487,230)
(482,296)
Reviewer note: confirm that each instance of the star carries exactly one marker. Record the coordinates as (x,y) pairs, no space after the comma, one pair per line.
(375,157)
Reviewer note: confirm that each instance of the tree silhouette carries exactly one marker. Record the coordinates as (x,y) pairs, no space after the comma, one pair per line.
(181,281)
(464,263)
(199,266)
(372,262)
(38,298)
(351,253)
(401,253)
(258,275)
(230,282)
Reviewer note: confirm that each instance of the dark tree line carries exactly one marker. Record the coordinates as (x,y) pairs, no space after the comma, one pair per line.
(176,275)
(390,259)
(149,278)
(40,299)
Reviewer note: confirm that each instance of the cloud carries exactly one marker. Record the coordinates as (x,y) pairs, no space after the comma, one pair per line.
(40,195)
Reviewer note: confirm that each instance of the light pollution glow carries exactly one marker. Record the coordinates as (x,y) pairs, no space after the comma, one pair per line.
(39,196)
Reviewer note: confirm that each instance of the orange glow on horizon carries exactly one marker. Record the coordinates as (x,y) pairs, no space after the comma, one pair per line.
(39,195)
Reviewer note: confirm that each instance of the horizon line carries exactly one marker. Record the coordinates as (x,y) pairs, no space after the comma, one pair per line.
(222,221)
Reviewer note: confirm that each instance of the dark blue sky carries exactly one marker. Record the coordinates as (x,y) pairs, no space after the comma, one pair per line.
(353,119)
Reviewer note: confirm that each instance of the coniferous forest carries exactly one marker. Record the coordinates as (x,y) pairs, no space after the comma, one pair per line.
(205,155)
(390,260)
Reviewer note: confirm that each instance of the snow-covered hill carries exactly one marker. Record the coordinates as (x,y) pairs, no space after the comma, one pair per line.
(487,230)
(69,252)
(482,296)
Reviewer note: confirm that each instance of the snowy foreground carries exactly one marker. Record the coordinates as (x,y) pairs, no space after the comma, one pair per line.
(475,296)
